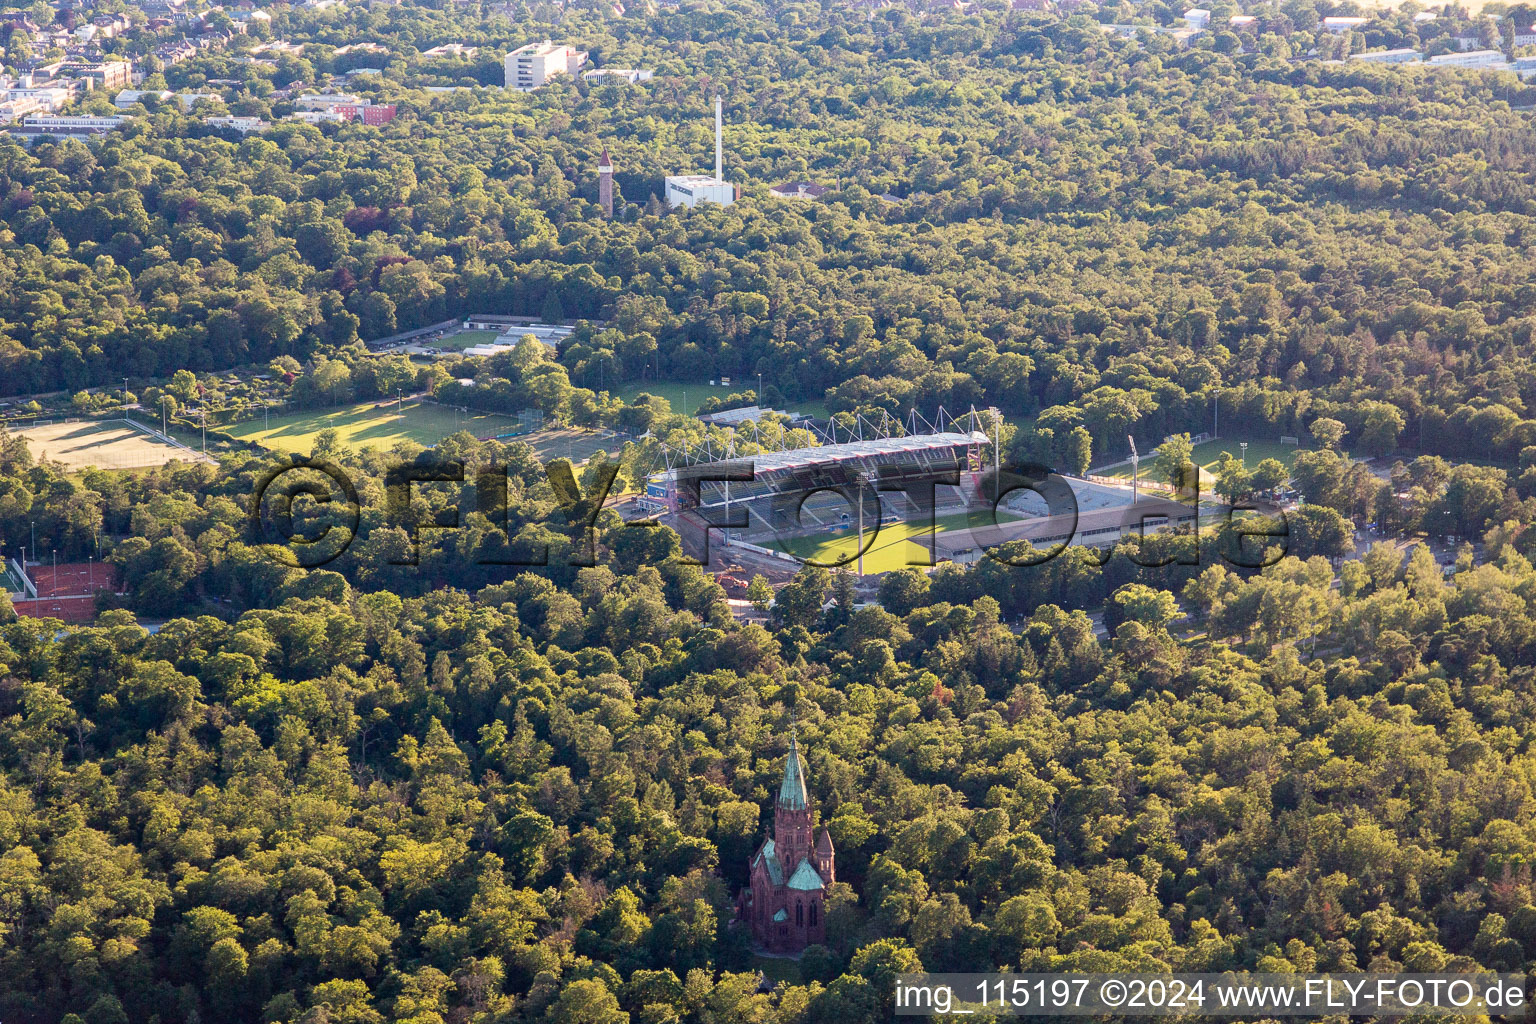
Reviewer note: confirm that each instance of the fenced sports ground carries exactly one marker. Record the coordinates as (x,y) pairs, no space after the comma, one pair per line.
(103,444)
(380,425)
(66,590)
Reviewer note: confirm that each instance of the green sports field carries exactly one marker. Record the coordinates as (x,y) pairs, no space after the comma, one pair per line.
(697,391)
(891,549)
(1208,455)
(368,425)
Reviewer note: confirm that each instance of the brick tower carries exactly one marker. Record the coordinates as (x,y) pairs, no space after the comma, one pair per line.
(605,183)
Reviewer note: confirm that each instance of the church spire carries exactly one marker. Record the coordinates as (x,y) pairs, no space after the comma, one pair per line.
(792,795)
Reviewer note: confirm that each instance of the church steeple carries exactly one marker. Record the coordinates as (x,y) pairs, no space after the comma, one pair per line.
(792,795)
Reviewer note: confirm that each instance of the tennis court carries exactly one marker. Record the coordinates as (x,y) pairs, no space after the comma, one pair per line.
(65,591)
(72,579)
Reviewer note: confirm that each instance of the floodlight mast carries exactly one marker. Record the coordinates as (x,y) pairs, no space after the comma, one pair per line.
(1135,462)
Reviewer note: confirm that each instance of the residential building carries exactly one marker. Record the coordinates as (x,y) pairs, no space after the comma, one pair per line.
(1338,25)
(347,107)
(1405,55)
(451,50)
(799,190)
(326,100)
(1465,43)
(51,98)
(1197,18)
(103,122)
(1242,21)
(1525,67)
(1470,59)
(129,97)
(785,900)
(10,110)
(606,76)
(1423,17)
(243,125)
(1525,36)
(188,100)
(531,66)
(317,116)
(42,126)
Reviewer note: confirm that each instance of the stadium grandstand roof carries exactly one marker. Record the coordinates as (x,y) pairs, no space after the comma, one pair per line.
(851,451)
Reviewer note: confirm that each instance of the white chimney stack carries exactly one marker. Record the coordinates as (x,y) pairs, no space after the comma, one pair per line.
(719,151)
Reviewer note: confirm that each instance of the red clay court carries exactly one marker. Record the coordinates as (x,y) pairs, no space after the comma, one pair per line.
(72,579)
(70,609)
(67,591)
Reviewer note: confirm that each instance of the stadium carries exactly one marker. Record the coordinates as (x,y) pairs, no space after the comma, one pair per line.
(882,503)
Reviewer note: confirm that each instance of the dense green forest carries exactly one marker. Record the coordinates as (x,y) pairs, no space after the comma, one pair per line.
(435,782)
(367,794)
(1110,234)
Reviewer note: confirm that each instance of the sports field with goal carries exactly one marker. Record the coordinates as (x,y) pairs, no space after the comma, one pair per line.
(1206,455)
(369,424)
(382,426)
(101,444)
(897,545)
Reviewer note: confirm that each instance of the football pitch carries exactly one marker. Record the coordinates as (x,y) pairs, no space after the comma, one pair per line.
(369,424)
(896,546)
(1206,456)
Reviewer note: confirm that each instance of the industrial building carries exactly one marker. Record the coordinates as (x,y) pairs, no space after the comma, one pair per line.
(692,189)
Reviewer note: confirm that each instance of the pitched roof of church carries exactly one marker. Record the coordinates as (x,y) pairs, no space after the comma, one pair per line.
(805,877)
(770,858)
(792,790)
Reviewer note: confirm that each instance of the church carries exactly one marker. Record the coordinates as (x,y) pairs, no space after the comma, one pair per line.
(785,901)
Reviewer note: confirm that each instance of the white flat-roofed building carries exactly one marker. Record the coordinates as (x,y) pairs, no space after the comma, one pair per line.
(243,125)
(100,122)
(317,116)
(1197,18)
(629,76)
(10,110)
(47,97)
(326,100)
(1470,59)
(1405,55)
(129,97)
(531,66)
(1344,24)
(692,189)
(1242,21)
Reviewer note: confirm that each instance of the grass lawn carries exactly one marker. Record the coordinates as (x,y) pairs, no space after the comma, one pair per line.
(891,549)
(698,391)
(1209,454)
(367,425)
(776,968)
